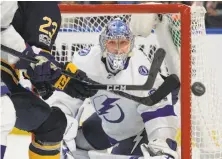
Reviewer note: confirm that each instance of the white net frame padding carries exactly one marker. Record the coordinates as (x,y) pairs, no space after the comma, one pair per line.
(201,119)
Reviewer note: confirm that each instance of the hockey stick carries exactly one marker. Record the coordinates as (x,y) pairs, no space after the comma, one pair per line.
(170,83)
(155,66)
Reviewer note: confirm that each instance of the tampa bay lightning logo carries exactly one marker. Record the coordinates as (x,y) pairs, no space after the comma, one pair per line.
(84,52)
(143,70)
(107,105)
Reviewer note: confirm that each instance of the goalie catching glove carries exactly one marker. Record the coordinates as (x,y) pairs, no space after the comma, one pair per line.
(160,149)
(73,87)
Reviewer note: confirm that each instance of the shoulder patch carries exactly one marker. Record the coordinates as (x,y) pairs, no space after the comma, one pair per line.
(143,70)
(84,52)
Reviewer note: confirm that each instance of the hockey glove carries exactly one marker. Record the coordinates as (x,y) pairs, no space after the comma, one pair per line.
(72,87)
(43,89)
(160,149)
(45,70)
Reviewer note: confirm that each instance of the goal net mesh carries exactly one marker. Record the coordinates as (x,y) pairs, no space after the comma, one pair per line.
(81,31)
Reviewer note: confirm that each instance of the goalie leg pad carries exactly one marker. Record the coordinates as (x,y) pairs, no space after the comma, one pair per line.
(92,131)
(131,146)
(31,111)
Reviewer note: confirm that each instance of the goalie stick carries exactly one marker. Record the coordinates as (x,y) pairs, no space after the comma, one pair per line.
(170,83)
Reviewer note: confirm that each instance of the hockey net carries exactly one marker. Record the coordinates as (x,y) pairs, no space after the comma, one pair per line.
(187,56)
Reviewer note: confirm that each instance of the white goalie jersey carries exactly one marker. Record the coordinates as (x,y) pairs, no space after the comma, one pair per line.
(123,118)
(206,128)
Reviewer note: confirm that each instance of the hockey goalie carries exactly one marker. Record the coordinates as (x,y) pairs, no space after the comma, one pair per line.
(132,129)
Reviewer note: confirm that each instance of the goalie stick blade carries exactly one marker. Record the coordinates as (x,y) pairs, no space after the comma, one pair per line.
(171,82)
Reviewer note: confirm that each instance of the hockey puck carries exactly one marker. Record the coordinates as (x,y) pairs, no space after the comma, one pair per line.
(198,89)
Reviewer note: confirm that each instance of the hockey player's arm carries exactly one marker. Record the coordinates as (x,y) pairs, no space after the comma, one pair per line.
(160,123)
(143,24)
(12,39)
(38,23)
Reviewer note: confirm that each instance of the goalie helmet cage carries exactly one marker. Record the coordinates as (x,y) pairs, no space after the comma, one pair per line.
(191,136)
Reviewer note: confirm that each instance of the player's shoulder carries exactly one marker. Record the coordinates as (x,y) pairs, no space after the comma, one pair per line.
(138,67)
(87,53)
(87,58)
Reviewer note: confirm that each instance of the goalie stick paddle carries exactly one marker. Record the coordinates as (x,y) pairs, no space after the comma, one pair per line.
(170,83)
(155,66)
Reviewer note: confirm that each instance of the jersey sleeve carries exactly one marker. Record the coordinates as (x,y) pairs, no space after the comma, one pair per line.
(38,22)
(160,120)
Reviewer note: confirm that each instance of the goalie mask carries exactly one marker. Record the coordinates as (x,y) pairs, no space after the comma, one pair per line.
(116,43)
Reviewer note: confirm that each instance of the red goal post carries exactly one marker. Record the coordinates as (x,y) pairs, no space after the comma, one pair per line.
(185,12)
